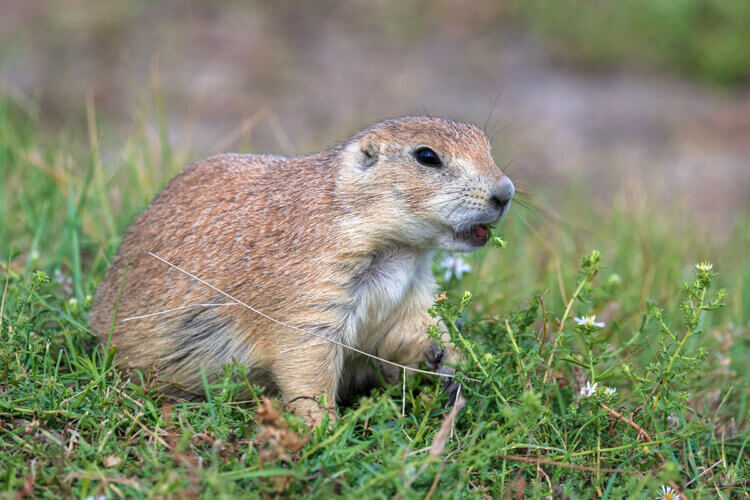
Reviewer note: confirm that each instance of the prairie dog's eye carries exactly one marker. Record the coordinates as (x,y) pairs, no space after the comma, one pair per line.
(427,156)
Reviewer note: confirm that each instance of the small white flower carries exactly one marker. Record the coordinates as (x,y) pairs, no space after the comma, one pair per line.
(65,282)
(61,278)
(454,266)
(588,389)
(609,391)
(667,493)
(704,265)
(588,321)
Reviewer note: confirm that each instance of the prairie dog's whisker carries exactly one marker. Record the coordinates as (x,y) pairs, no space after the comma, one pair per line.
(175,309)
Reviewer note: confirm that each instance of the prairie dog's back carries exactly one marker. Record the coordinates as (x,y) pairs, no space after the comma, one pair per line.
(225,218)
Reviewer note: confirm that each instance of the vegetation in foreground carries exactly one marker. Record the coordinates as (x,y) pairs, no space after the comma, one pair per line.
(599,376)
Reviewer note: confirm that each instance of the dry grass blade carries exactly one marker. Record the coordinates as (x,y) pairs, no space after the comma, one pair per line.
(703,473)
(27,490)
(642,434)
(438,444)
(544,461)
(275,441)
(166,311)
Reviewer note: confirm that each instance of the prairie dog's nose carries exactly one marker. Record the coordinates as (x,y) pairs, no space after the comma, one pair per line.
(503,193)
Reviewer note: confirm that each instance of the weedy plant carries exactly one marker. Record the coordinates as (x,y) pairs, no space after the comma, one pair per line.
(556,410)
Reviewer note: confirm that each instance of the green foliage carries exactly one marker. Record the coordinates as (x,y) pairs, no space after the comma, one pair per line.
(72,424)
(704,39)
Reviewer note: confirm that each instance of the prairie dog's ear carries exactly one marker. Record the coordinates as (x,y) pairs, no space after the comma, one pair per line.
(369,149)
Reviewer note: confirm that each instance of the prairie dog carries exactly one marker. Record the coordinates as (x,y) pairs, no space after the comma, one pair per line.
(339,243)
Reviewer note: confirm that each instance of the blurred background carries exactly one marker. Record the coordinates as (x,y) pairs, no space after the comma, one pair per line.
(648,92)
(627,118)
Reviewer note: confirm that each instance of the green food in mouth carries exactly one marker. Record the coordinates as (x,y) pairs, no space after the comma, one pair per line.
(495,238)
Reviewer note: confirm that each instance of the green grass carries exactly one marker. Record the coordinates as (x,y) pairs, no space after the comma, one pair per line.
(73,424)
(707,40)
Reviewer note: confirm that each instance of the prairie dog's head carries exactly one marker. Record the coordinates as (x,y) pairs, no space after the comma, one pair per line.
(427,182)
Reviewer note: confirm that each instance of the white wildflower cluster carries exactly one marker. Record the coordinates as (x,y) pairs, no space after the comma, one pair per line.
(65,281)
(590,389)
(454,266)
(704,266)
(588,321)
(667,493)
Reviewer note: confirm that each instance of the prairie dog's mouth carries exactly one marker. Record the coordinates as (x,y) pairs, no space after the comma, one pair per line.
(476,236)
(480,231)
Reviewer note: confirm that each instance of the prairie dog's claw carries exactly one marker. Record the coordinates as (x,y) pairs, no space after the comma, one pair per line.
(449,384)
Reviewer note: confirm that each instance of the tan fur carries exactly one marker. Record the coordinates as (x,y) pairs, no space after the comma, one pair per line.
(338,242)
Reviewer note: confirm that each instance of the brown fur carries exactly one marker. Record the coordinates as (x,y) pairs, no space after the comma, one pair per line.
(338,242)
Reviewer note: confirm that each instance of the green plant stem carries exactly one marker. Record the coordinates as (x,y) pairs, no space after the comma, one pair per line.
(689,332)
(620,448)
(466,345)
(562,324)
(473,356)
(515,346)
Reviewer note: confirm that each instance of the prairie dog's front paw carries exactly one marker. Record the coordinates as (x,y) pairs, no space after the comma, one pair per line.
(433,356)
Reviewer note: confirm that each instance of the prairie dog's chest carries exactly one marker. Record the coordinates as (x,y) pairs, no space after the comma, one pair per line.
(389,282)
